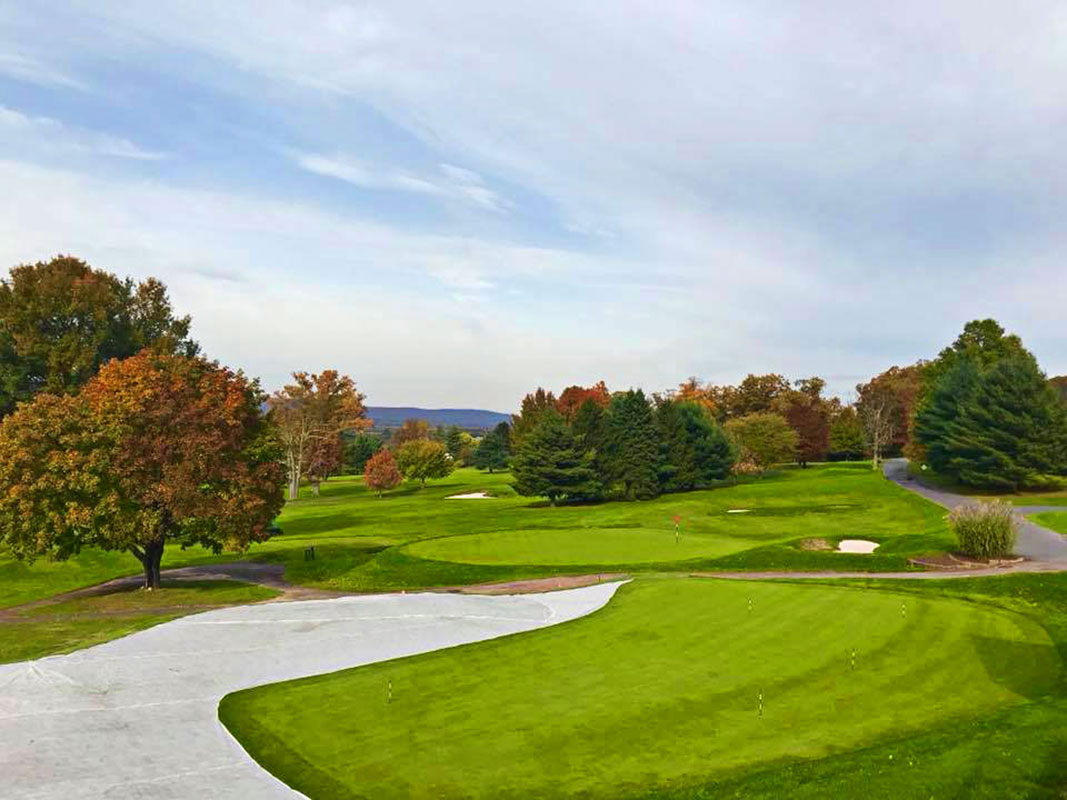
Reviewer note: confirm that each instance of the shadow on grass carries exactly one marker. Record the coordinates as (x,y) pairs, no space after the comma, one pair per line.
(1033,671)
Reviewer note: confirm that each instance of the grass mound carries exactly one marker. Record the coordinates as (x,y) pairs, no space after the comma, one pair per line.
(674,683)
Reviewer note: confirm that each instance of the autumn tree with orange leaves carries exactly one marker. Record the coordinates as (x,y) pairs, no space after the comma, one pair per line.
(573,397)
(154,449)
(381,473)
(311,414)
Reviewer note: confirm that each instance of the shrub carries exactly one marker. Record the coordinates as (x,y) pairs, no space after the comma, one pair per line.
(984,530)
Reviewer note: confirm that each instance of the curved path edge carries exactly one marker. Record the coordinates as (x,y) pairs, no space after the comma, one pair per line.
(137,716)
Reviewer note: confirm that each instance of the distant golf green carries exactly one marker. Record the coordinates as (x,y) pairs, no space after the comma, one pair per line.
(572,546)
(675,682)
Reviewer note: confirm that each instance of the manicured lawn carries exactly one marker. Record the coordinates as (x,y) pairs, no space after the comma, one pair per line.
(361,540)
(83,622)
(587,546)
(1054,520)
(363,543)
(658,692)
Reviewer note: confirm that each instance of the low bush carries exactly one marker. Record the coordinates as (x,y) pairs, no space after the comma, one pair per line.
(984,530)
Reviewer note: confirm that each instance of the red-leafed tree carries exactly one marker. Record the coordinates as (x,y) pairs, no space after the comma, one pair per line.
(381,473)
(809,414)
(154,449)
(573,397)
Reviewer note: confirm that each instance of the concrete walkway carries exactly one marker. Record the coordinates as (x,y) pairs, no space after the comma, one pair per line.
(137,717)
(1034,541)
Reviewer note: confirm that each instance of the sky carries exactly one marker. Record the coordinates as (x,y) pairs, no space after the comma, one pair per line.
(457,202)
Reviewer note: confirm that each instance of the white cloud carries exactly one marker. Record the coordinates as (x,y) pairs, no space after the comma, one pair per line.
(451,182)
(25,68)
(48,133)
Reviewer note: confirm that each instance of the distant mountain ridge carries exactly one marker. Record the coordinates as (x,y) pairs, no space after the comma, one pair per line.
(474,418)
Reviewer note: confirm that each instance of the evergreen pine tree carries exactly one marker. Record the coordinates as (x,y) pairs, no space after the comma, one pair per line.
(631,445)
(996,426)
(695,451)
(494,451)
(550,463)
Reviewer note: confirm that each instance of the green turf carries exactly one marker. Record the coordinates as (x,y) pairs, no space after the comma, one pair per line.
(1054,520)
(82,622)
(360,539)
(657,692)
(585,546)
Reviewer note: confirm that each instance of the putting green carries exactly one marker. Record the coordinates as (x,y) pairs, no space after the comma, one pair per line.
(571,546)
(662,688)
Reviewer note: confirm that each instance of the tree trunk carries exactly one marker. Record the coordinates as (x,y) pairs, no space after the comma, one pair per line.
(150,557)
(294,487)
(315,488)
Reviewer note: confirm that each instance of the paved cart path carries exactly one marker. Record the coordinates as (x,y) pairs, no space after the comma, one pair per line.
(1034,541)
(137,717)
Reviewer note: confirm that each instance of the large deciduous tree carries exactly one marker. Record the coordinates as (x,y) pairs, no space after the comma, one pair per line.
(808,413)
(423,459)
(550,463)
(410,431)
(533,406)
(61,320)
(311,413)
(154,449)
(847,442)
(573,397)
(381,472)
(762,440)
(631,447)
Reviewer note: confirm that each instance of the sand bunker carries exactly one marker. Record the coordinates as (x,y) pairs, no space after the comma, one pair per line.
(738,510)
(856,546)
(469,496)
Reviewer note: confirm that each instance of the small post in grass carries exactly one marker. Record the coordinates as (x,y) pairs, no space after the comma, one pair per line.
(750,605)
(853,659)
(759,698)
(389,696)
(903,609)
(677,522)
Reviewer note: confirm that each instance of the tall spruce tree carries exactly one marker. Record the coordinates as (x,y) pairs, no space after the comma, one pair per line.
(494,450)
(632,446)
(695,451)
(550,463)
(989,418)
(996,424)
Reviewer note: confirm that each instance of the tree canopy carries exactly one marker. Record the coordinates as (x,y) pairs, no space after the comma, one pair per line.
(154,449)
(312,412)
(61,320)
(494,451)
(423,459)
(762,440)
(696,451)
(992,420)
(381,472)
(550,463)
(631,447)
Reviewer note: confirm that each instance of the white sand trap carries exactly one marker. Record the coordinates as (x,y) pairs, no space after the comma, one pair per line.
(469,496)
(856,546)
(738,510)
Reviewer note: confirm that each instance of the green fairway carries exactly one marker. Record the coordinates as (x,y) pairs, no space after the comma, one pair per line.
(1054,520)
(582,546)
(85,621)
(661,690)
(366,543)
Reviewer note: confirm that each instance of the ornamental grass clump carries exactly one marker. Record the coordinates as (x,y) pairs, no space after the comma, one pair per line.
(984,530)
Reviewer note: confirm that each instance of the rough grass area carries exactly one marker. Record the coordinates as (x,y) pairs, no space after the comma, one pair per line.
(655,695)
(360,539)
(82,622)
(1054,520)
